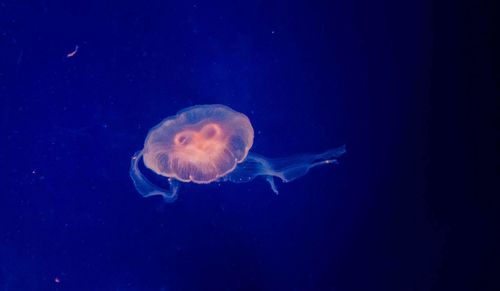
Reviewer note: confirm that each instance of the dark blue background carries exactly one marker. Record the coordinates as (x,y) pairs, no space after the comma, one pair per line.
(406,85)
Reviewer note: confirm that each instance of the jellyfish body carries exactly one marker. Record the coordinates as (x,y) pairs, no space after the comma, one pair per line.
(207,143)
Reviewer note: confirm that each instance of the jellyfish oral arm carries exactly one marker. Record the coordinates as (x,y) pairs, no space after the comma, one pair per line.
(145,187)
(287,169)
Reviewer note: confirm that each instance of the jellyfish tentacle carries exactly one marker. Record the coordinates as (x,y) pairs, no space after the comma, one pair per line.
(174,188)
(270,180)
(145,187)
(287,169)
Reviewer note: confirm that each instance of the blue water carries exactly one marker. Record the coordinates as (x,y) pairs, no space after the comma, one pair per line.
(388,79)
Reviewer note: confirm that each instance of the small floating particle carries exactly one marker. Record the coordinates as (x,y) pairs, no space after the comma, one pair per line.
(73,53)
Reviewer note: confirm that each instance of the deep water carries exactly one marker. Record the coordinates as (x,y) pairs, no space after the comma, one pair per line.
(408,207)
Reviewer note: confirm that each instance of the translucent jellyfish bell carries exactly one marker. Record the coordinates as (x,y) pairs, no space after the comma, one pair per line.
(207,143)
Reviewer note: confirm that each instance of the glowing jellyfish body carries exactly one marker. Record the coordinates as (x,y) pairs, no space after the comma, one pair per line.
(207,143)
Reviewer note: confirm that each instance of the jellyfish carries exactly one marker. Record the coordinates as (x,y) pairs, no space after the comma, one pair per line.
(211,143)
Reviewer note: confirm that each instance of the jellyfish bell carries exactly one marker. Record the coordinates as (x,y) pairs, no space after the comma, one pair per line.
(207,143)
(199,144)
